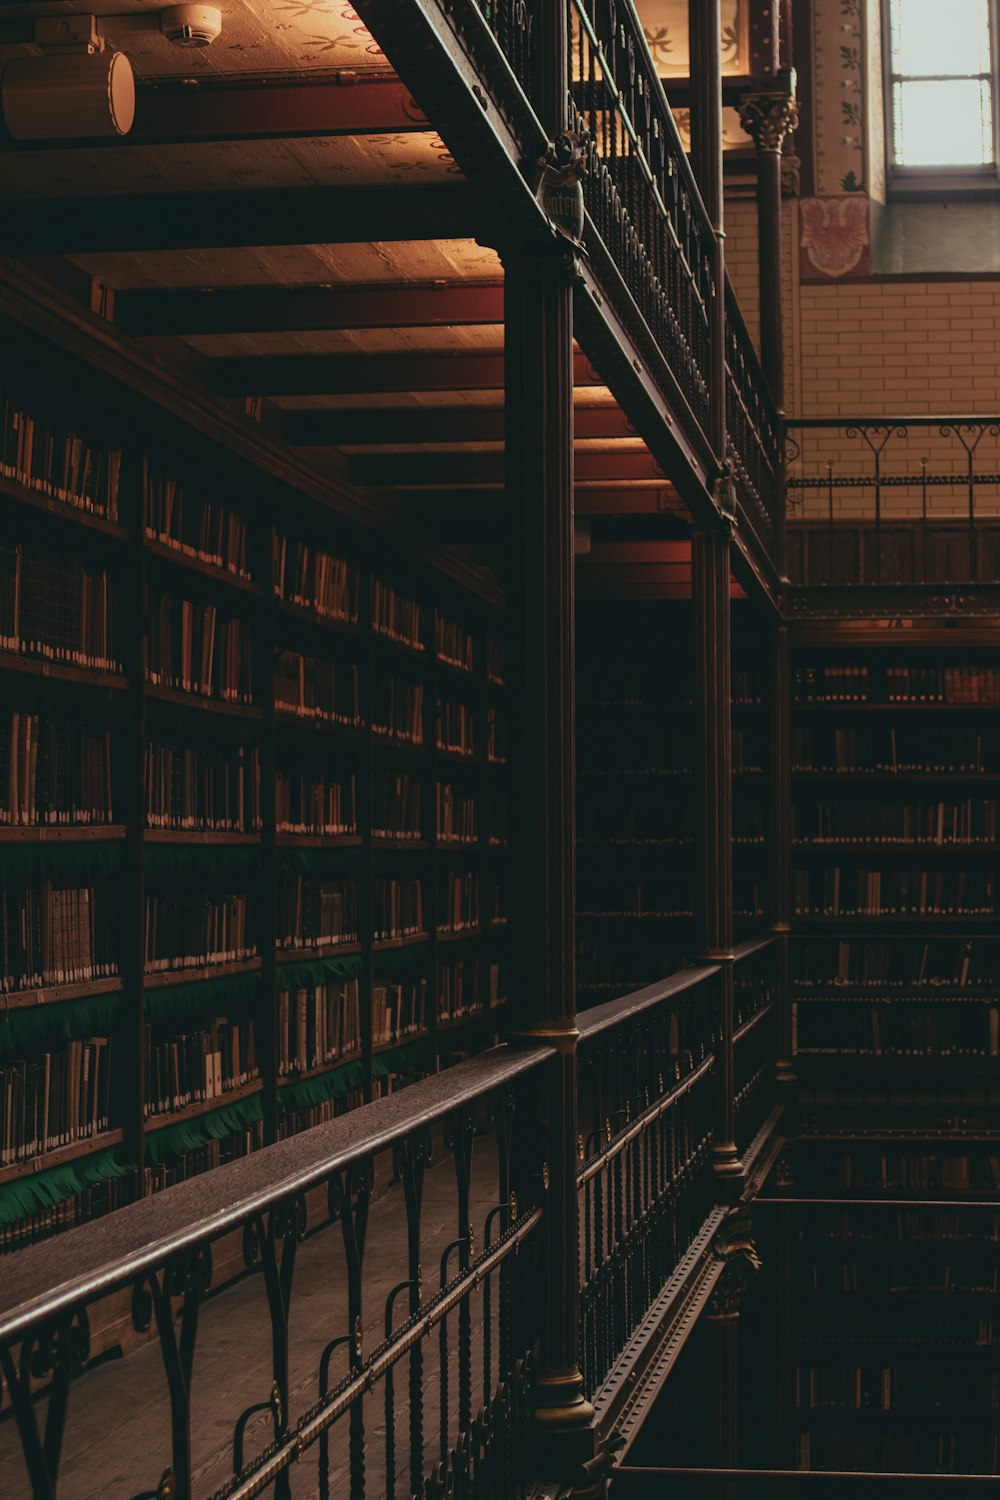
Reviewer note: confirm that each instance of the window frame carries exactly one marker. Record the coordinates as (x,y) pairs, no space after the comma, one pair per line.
(922,182)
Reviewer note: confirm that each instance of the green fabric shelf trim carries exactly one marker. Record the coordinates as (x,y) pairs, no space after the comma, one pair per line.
(318,861)
(67,1021)
(67,864)
(30,1195)
(414,1057)
(206,997)
(325,1086)
(203,861)
(309,971)
(174,1140)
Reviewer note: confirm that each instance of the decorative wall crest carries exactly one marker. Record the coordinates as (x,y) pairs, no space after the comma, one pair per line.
(834,238)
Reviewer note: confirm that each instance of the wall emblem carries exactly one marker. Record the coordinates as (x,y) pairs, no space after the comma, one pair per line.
(834,238)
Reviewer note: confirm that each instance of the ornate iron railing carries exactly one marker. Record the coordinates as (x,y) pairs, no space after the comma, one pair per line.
(647,1113)
(755,1036)
(754,433)
(889,500)
(441,1380)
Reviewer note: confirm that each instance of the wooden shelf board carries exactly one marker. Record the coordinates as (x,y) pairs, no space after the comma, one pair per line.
(157,693)
(349,629)
(287,718)
(181,558)
(318,840)
(47,505)
(400,1041)
(889,778)
(413,940)
(64,833)
(58,1157)
(197,836)
(163,979)
(324,950)
(201,1107)
(453,935)
(56,994)
(399,846)
(299,1075)
(57,671)
(453,1023)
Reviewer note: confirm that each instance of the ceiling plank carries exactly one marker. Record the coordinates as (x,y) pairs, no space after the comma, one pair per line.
(205,221)
(366,374)
(408,471)
(435,424)
(280,309)
(232,108)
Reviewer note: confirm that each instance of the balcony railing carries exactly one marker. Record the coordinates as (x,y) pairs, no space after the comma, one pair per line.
(894,500)
(406,1367)
(646,216)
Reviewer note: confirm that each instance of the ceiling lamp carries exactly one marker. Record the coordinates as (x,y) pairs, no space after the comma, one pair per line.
(81,89)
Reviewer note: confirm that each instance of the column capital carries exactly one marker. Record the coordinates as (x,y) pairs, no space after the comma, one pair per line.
(768,115)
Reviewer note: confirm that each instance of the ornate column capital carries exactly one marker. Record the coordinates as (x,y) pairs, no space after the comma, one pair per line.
(768,115)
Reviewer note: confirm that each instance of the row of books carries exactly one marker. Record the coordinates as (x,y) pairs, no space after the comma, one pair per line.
(397,908)
(907,750)
(52,934)
(495,668)
(53,772)
(453,644)
(308,1116)
(192,523)
(318,1024)
(858,682)
(54,1098)
(459,902)
(59,464)
(973,820)
(399,1010)
(79,1208)
(396,805)
(907,1278)
(926,1227)
(193,929)
(458,990)
(197,1066)
(456,815)
(904,964)
(398,709)
(316,803)
(57,608)
(314,688)
(199,648)
(394,615)
(747,688)
(893,893)
(924,1450)
(911,1169)
(496,737)
(316,913)
(746,754)
(214,787)
(914,1390)
(233,1146)
(315,579)
(898,1029)
(456,729)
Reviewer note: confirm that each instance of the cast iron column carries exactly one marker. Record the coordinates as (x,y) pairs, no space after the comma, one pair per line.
(713,670)
(781,843)
(705,34)
(538,376)
(768,115)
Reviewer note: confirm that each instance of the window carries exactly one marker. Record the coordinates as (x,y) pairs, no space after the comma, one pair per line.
(940,81)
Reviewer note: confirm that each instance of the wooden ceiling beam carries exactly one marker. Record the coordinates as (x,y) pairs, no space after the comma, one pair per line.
(284,309)
(410,471)
(415,425)
(240,109)
(207,221)
(366,374)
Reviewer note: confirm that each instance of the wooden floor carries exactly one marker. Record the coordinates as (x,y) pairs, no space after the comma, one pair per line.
(117,1442)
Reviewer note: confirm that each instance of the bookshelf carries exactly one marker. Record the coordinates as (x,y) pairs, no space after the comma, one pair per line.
(253,814)
(894,978)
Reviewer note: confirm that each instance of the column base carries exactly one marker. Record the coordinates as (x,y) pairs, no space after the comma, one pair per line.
(729,1171)
(564,1440)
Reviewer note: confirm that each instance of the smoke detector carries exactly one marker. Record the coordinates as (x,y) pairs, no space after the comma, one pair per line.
(191,25)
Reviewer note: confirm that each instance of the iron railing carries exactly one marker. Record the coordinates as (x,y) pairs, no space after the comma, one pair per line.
(425,1392)
(645,214)
(894,500)
(647,1115)
(755,1036)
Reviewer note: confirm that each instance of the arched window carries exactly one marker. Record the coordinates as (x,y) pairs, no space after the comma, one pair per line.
(941,61)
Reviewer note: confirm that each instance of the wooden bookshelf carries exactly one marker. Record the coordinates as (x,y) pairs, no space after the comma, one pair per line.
(194,776)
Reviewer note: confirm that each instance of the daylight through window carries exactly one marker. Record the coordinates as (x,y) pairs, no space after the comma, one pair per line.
(941,83)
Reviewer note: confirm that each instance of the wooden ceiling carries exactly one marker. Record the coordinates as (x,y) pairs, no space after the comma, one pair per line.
(284,224)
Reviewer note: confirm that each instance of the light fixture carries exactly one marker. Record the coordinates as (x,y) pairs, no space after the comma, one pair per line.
(79,88)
